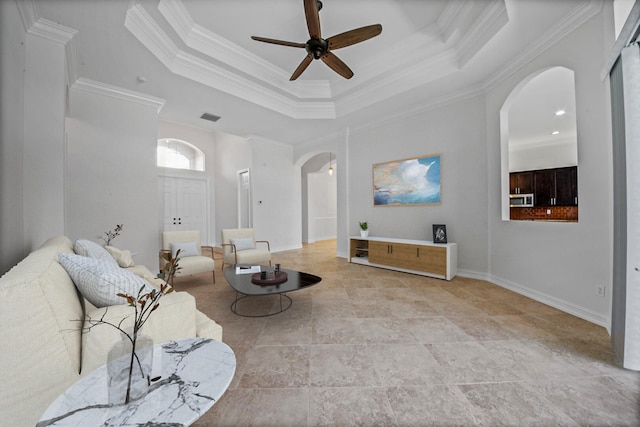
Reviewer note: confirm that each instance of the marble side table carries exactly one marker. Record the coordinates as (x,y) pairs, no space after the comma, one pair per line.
(195,374)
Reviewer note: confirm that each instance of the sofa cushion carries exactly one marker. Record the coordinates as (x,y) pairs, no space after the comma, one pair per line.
(41,317)
(123,257)
(100,281)
(92,250)
(195,265)
(186,249)
(243,244)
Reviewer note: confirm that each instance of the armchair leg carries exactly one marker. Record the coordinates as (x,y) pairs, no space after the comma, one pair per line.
(214,276)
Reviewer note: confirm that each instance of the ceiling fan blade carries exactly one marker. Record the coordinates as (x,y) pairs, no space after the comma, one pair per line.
(303,66)
(313,18)
(279,42)
(337,65)
(354,36)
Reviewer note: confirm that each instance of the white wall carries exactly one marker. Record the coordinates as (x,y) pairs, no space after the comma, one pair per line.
(561,263)
(455,131)
(205,141)
(544,156)
(276,186)
(43,143)
(111,175)
(12,36)
(233,153)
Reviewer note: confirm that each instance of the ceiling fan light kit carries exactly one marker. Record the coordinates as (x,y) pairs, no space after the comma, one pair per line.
(319,48)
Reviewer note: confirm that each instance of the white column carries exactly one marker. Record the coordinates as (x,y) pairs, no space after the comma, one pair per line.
(44,131)
(631,83)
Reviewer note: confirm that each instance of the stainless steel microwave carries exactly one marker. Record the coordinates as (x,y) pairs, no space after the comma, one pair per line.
(521,200)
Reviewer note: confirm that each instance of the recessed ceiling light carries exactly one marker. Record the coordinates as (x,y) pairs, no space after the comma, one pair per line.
(555,132)
(560,112)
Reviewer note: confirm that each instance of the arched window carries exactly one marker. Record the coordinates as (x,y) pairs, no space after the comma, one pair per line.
(177,154)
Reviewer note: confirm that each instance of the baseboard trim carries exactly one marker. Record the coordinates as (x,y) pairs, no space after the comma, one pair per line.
(552,301)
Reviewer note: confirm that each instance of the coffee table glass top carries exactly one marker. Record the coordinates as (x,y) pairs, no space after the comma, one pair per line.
(242,282)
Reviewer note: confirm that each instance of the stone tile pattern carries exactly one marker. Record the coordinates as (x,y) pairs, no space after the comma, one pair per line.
(369,347)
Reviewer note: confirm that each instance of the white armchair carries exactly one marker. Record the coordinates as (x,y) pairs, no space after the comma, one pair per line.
(194,258)
(239,246)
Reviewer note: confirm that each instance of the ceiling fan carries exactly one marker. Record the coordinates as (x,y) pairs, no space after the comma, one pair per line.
(319,48)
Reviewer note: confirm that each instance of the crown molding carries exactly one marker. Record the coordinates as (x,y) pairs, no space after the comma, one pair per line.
(483,29)
(98,88)
(447,18)
(204,72)
(49,30)
(71,54)
(627,35)
(438,61)
(142,26)
(29,13)
(52,31)
(580,14)
(451,98)
(382,88)
(207,42)
(220,64)
(461,95)
(262,139)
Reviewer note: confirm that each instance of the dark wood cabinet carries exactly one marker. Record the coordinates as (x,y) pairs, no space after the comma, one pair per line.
(556,187)
(567,187)
(544,182)
(521,182)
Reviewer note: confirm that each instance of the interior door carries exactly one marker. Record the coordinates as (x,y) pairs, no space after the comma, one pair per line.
(244,199)
(185,202)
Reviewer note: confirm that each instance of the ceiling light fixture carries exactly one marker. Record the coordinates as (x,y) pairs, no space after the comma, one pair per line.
(560,113)
(555,132)
(330,167)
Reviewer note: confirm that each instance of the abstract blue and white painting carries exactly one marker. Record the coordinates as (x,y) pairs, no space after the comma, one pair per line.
(407,182)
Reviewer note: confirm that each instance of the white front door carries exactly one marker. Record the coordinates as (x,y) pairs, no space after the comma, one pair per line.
(185,203)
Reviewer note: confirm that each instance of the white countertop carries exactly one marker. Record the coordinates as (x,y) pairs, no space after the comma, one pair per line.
(397,240)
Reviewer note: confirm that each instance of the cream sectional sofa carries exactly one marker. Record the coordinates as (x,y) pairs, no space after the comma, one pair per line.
(45,348)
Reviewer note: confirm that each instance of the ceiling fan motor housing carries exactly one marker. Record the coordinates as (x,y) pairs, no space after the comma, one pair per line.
(317,48)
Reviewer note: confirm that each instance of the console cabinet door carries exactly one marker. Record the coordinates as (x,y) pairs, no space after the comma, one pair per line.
(411,257)
(378,252)
(431,259)
(392,254)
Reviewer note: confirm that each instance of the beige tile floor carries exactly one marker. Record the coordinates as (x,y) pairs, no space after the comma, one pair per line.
(371,347)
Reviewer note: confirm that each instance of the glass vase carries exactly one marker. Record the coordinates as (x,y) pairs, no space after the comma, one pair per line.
(129,368)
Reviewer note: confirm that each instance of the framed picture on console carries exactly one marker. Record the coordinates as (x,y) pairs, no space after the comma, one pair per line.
(439,233)
(405,182)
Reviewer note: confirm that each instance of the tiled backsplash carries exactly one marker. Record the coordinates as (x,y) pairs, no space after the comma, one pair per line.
(552,213)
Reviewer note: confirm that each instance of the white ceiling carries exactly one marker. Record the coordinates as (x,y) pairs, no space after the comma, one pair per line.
(198,56)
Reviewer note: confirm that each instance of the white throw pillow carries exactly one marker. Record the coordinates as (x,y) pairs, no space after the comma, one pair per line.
(243,244)
(186,249)
(100,281)
(92,250)
(124,257)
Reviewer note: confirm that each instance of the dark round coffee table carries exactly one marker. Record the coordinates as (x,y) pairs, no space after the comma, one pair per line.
(243,286)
